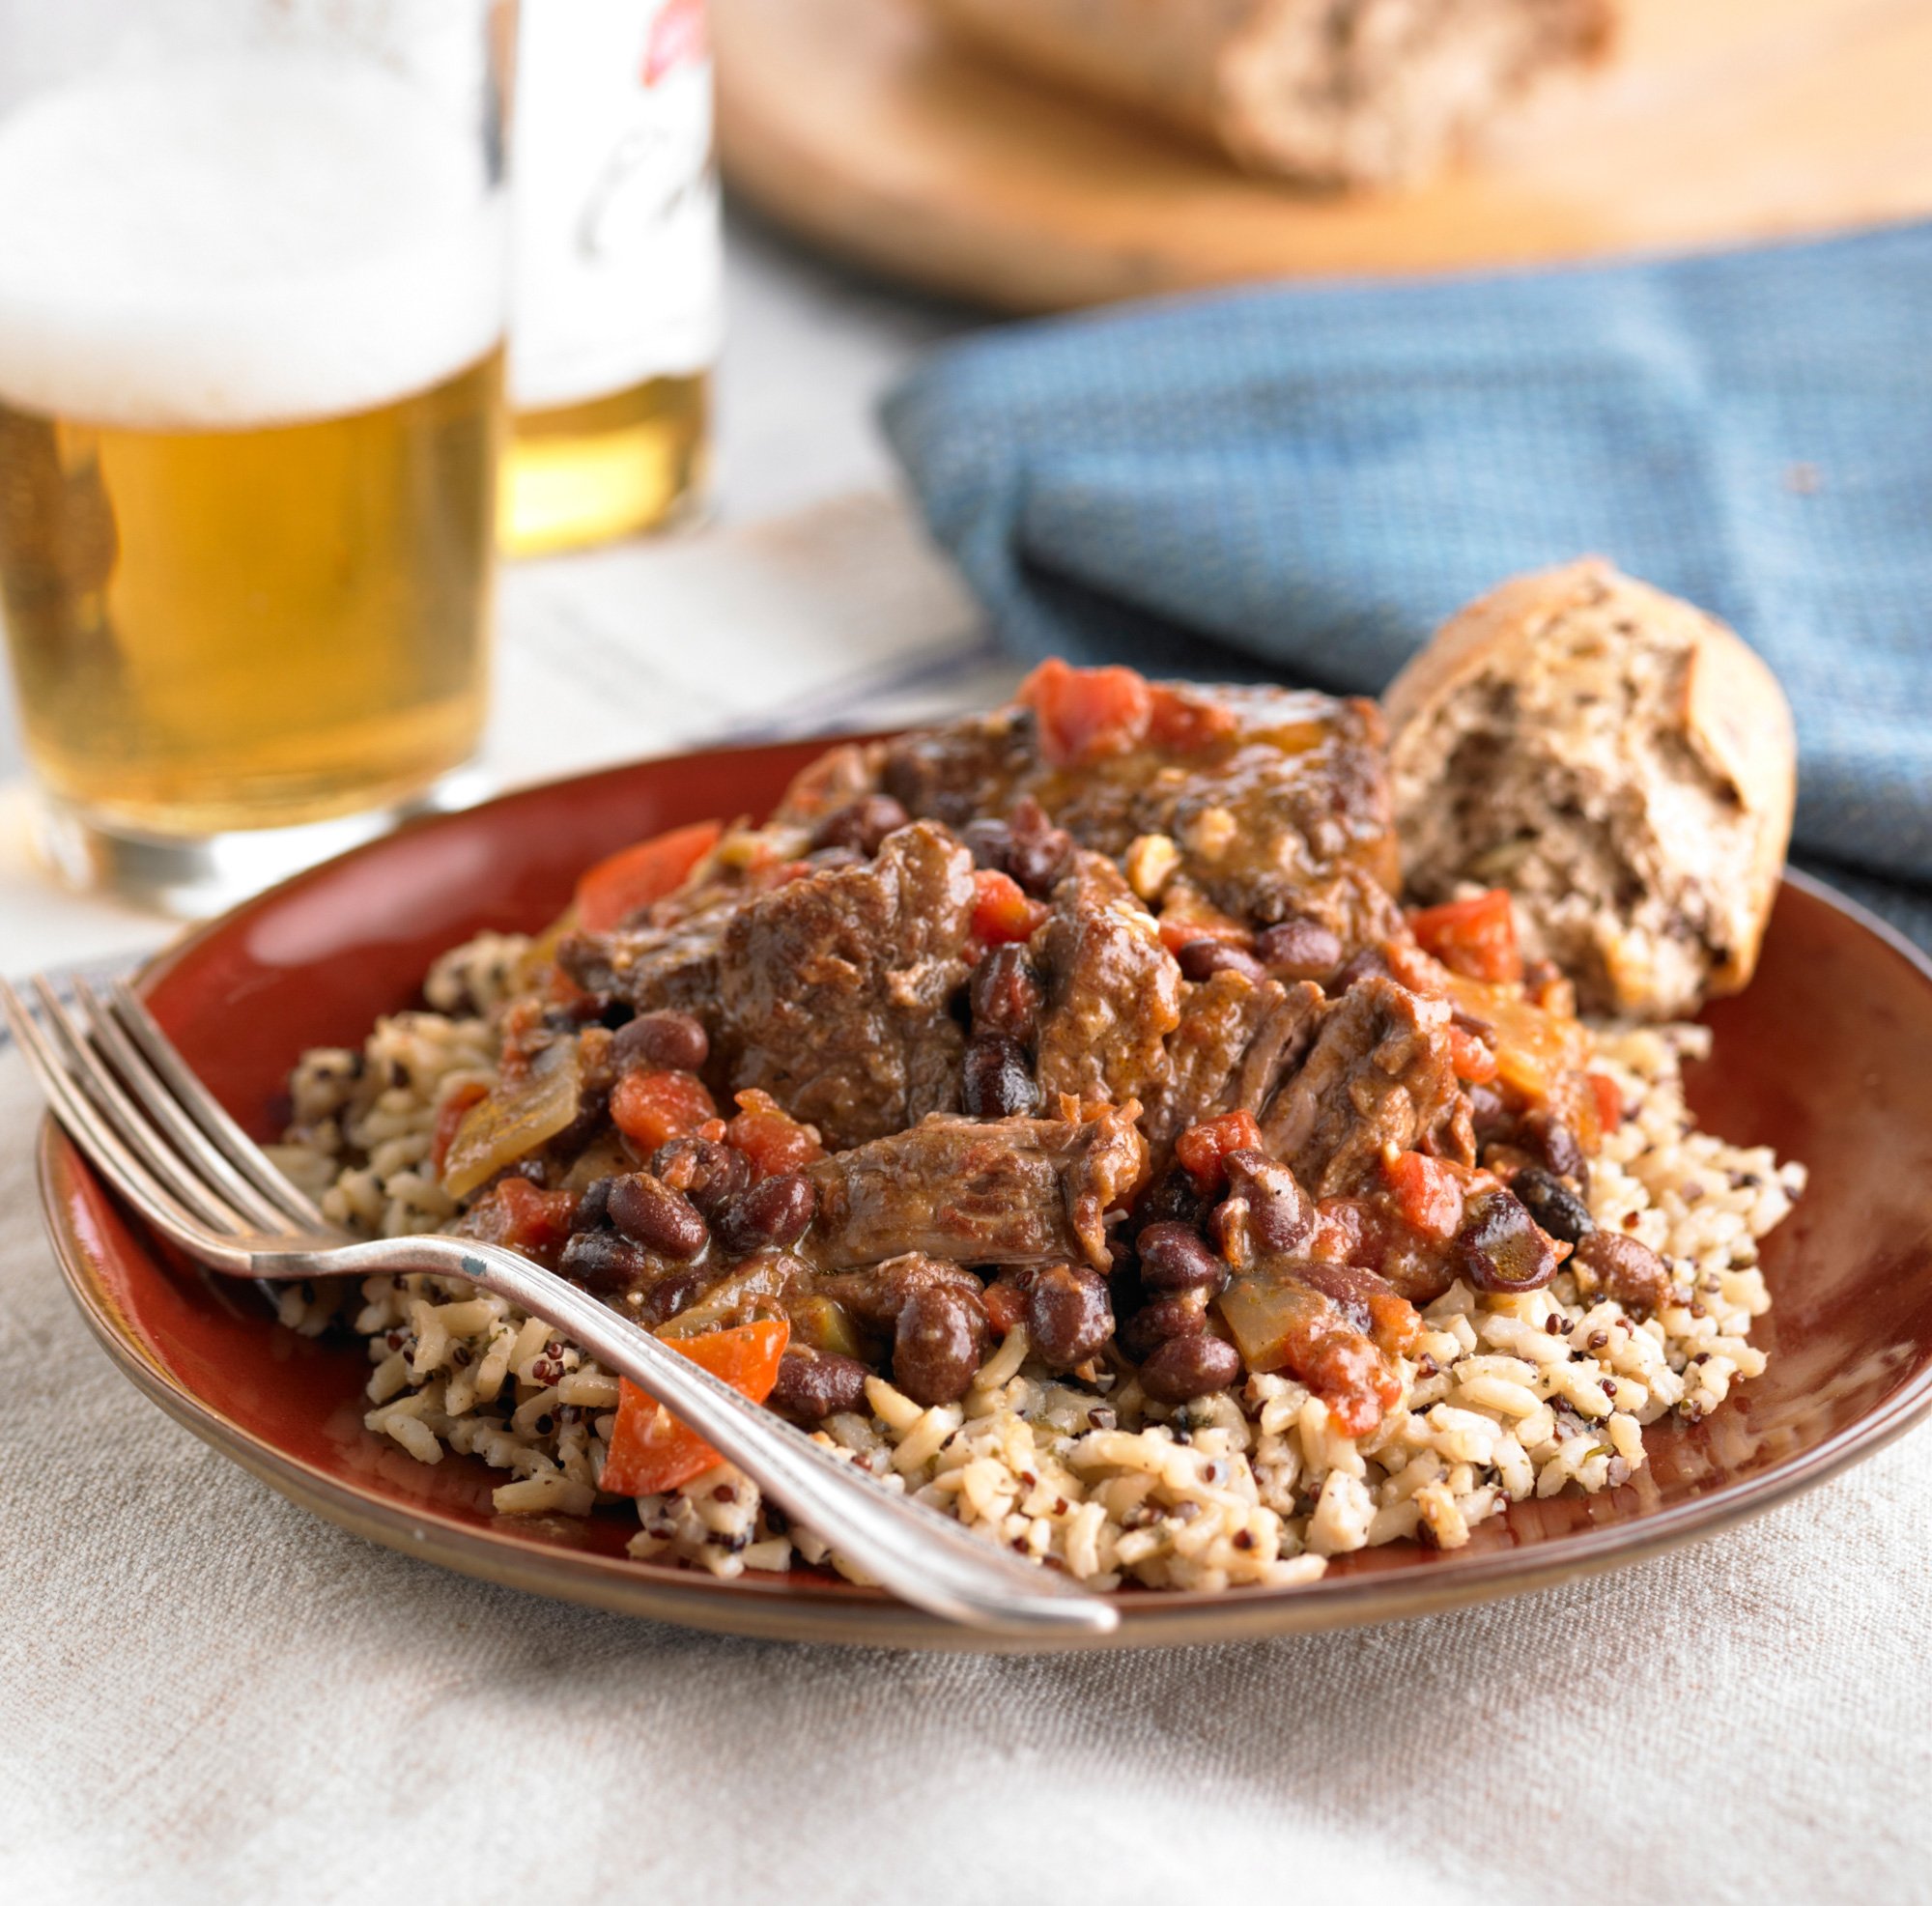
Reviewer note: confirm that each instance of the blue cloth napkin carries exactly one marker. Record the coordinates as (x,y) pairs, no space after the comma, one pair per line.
(1304,482)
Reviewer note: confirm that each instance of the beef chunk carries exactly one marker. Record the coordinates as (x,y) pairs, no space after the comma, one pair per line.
(1112,991)
(1379,1075)
(832,990)
(1018,1191)
(968,770)
(1236,1038)
(1284,815)
(654,965)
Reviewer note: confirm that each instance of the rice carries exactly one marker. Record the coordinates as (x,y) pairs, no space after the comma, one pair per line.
(1505,1398)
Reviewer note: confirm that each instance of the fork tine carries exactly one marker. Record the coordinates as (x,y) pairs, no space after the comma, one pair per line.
(84,1065)
(88,1129)
(234,1144)
(160,1105)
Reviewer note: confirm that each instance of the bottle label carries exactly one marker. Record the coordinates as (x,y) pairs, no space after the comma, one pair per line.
(618,257)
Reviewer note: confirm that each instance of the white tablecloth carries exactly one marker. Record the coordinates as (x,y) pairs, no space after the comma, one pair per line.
(206,1695)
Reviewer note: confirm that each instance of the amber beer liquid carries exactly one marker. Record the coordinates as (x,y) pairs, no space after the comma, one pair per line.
(250,361)
(617,292)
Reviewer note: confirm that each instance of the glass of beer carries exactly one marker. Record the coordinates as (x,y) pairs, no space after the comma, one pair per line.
(252,293)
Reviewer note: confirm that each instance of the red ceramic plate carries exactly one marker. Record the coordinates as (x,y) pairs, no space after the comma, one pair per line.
(1828,1057)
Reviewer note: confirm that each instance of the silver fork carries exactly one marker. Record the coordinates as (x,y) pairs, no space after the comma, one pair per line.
(156,1135)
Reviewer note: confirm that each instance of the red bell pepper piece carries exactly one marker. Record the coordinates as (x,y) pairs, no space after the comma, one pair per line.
(610,891)
(650,1450)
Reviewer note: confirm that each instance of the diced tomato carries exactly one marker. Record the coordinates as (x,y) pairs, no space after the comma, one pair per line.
(1475,1062)
(1185,723)
(1204,1148)
(1474,937)
(1348,1373)
(1427,1194)
(1006,1306)
(449,1115)
(1086,714)
(650,1108)
(770,1137)
(524,1216)
(610,891)
(650,1450)
(1353,1231)
(1608,1100)
(1002,912)
(1178,925)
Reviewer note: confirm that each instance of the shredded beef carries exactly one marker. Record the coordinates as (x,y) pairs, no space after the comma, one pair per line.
(1378,1076)
(1112,991)
(1010,1191)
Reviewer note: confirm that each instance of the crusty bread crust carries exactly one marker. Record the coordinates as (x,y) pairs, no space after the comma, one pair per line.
(1731,716)
(1333,92)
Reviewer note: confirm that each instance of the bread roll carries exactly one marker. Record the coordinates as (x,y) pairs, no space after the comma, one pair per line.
(1619,761)
(1334,92)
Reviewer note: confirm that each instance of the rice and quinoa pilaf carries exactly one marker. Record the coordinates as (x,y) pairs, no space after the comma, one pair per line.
(1494,1396)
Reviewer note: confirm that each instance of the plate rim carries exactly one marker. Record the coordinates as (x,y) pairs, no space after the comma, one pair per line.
(844,1614)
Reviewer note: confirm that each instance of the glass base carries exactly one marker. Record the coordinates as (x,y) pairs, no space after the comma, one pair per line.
(192,876)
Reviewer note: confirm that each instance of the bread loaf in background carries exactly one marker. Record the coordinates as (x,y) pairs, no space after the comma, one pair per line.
(1332,92)
(1622,762)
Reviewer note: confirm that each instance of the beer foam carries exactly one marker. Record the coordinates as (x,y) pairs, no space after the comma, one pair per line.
(247,242)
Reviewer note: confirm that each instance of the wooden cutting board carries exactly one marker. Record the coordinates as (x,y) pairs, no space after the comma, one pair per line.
(860,128)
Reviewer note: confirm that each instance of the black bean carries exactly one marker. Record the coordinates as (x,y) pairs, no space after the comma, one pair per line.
(1556,1144)
(605,1261)
(814,1384)
(1499,1248)
(1174,1258)
(1202,960)
(1005,994)
(1183,1313)
(994,1079)
(861,824)
(1552,1203)
(582,1011)
(1040,851)
(1299,950)
(1368,964)
(1492,1116)
(1184,1368)
(1280,1214)
(936,1344)
(991,842)
(648,1211)
(593,1115)
(1172,1198)
(663,1041)
(709,1174)
(592,1207)
(772,1214)
(1621,1268)
(667,1292)
(1069,1314)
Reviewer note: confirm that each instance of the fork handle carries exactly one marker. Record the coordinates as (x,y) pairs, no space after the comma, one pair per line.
(921,1556)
